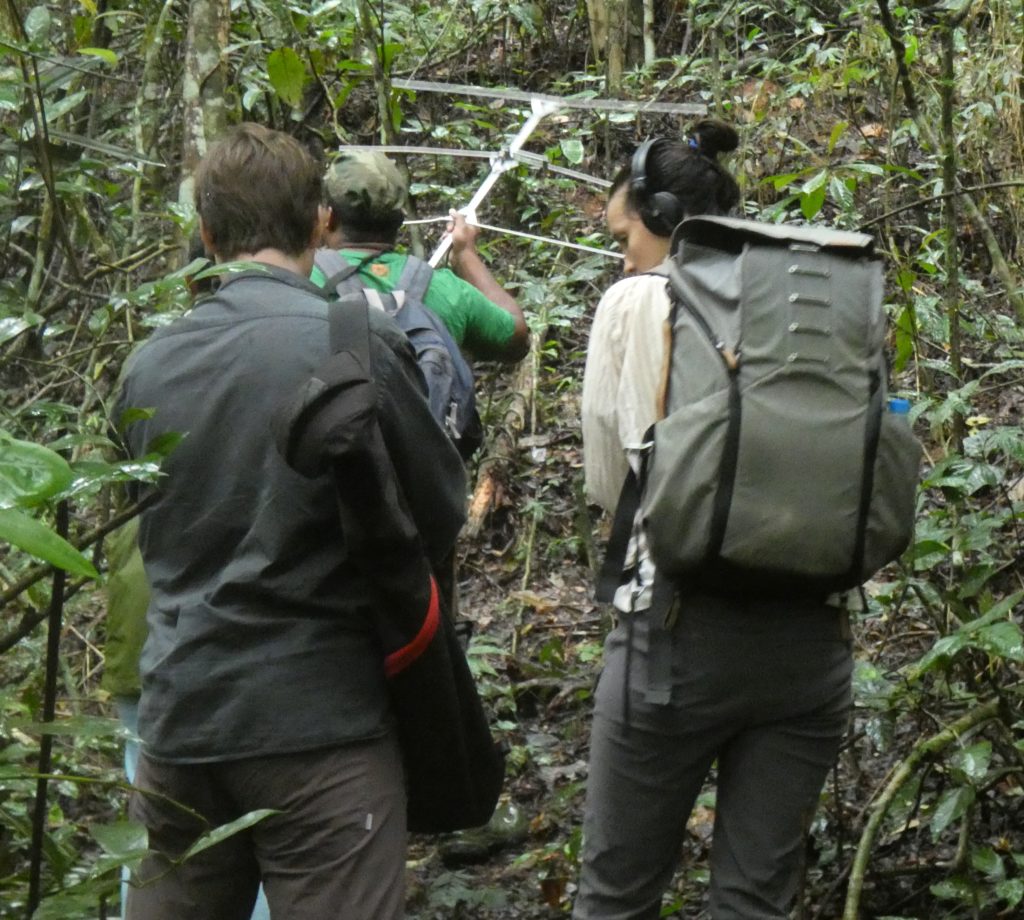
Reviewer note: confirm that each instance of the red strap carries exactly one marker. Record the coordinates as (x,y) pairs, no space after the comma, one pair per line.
(401,658)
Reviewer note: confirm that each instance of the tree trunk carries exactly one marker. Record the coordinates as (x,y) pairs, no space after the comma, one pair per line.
(597,19)
(952,295)
(205,109)
(650,46)
(635,15)
(609,37)
(146,114)
(1000,267)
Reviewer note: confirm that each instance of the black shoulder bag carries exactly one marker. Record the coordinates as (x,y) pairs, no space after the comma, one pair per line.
(454,769)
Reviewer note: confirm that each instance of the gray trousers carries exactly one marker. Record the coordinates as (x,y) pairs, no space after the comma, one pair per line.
(764,689)
(336,849)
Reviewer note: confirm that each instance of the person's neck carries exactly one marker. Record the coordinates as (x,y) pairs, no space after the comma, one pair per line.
(365,246)
(335,239)
(300,265)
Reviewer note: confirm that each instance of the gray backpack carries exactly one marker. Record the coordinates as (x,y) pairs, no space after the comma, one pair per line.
(779,466)
(446,372)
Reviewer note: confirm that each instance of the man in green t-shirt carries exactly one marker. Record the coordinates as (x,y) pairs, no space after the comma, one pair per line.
(365,196)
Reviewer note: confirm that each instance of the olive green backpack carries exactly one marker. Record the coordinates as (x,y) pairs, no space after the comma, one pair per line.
(779,465)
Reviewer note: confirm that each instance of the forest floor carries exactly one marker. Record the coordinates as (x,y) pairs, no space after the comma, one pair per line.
(544,643)
(527,582)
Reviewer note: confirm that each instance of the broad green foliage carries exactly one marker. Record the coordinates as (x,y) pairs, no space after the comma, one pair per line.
(30,474)
(287,75)
(38,540)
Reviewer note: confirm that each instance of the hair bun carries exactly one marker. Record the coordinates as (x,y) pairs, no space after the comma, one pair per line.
(714,137)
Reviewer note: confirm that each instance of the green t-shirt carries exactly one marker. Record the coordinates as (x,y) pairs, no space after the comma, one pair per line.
(474,322)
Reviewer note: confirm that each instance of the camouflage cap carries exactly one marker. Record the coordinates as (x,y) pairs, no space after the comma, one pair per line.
(365,178)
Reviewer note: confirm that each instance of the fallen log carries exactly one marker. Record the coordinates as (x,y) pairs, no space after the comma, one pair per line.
(503,446)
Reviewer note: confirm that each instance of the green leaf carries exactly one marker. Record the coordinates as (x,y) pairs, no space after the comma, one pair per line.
(817,181)
(988,862)
(83,727)
(229,830)
(910,54)
(349,64)
(104,54)
(837,132)
(955,889)
(54,111)
(572,150)
(1004,608)
(287,75)
(983,476)
(22,223)
(929,547)
(1004,367)
(810,204)
(38,540)
(973,762)
(841,193)
(867,169)
(952,806)
(388,52)
(993,633)
(123,839)
(940,654)
(132,415)
(1001,640)
(164,443)
(77,901)
(98,146)
(812,194)
(29,473)
(37,24)
(782,181)
(11,327)
(1011,891)
(903,330)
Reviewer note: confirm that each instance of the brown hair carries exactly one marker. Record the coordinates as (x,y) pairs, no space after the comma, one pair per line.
(258,189)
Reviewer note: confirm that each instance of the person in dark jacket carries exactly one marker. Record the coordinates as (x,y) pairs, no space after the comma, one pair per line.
(263,683)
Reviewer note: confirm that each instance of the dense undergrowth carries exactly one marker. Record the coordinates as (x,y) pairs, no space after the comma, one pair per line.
(858,115)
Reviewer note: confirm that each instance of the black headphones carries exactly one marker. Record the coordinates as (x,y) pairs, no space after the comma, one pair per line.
(660,211)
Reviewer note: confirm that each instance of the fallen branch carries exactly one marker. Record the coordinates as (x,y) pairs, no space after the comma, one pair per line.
(922,753)
(503,448)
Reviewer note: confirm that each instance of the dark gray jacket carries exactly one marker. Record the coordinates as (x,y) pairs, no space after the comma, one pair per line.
(260,632)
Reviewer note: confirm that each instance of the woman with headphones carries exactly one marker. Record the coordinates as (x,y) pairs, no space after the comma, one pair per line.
(758,688)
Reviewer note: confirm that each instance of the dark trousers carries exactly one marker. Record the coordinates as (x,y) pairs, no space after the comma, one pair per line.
(336,849)
(763,690)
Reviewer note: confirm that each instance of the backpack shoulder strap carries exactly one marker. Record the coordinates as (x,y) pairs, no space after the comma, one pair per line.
(320,420)
(415,278)
(349,324)
(329,261)
(390,303)
(339,270)
(610,576)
